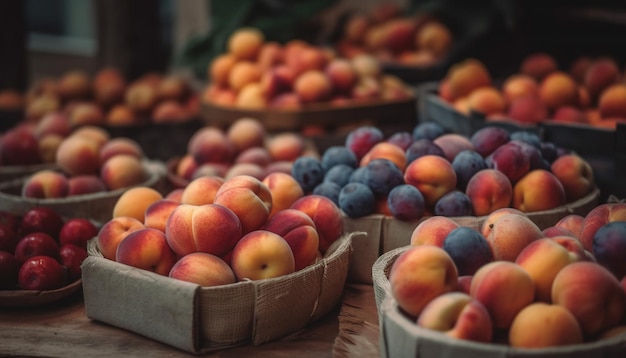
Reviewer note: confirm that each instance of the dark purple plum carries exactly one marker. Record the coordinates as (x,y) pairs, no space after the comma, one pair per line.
(381,175)
(487,139)
(328,189)
(511,160)
(360,140)
(338,154)
(534,155)
(454,203)
(357,200)
(468,249)
(465,165)
(358,176)
(308,172)
(549,151)
(609,247)
(406,202)
(422,147)
(339,174)
(528,137)
(402,139)
(428,130)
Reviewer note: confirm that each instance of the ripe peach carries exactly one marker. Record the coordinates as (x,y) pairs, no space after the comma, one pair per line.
(251,97)
(245,43)
(251,169)
(288,100)
(169,111)
(326,215)
(210,228)
(432,231)
(592,294)
(466,76)
(201,190)
(366,65)
(85,184)
(458,315)
(242,74)
(146,249)
(355,28)
(452,144)
(307,58)
(571,222)
(120,145)
(519,85)
(112,232)
(611,101)
(97,135)
(569,114)
(538,190)
(313,86)
(558,89)
(78,155)
(598,217)
(121,115)
(53,123)
(175,194)
(45,184)
(510,234)
(487,224)
(220,67)
(48,146)
(141,97)
(211,145)
(601,73)
(74,84)
(254,155)
(579,67)
(286,146)
(432,175)
(276,81)
(262,254)
(504,288)
(385,150)
(575,174)
(203,269)
(298,229)
(489,190)
(108,86)
(538,65)
(487,100)
(84,113)
(134,201)
(42,105)
(419,275)
(158,212)
(122,171)
(246,133)
(528,109)
(285,191)
(172,87)
(342,75)
(541,325)
(435,37)
(270,55)
(248,198)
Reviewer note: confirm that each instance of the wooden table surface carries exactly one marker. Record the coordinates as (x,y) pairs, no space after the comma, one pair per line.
(62,329)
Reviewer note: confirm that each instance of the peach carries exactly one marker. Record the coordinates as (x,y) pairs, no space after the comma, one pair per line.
(97,135)
(246,133)
(487,101)
(185,166)
(134,201)
(78,155)
(48,146)
(141,97)
(172,87)
(146,249)
(286,146)
(433,231)
(419,275)
(175,195)
(510,234)
(85,184)
(288,100)
(487,224)
(579,67)
(326,215)
(307,58)
(433,175)
(459,316)
(575,174)
(366,65)
(112,232)
(262,254)
(313,86)
(108,86)
(270,55)
(504,288)
(569,114)
(571,222)
(519,85)
(452,144)
(598,217)
(42,105)
(122,171)
(298,229)
(220,96)
(19,146)
(158,212)
(285,191)
(558,89)
(169,111)
(53,123)
(541,325)
(120,145)
(245,43)
(84,113)
(251,97)
(543,259)
(601,73)
(592,294)
(489,190)
(342,75)
(538,190)
(255,155)
(209,228)
(220,67)
(611,101)
(201,190)
(203,269)
(435,37)
(355,27)
(248,198)
(538,65)
(121,115)
(400,34)
(528,109)
(251,169)
(74,84)
(11,99)
(46,184)
(242,74)
(386,150)
(211,145)
(276,81)
(466,76)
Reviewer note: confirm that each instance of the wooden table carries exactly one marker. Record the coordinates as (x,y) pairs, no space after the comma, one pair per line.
(63,330)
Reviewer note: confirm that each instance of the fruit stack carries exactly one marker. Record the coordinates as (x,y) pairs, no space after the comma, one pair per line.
(507,287)
(288,86)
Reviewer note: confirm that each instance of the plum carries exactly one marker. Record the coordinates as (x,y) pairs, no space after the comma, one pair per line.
(308,172)
(328,189)
(511,160)
(357,200)
(358,176)
(466,164)
(468,249)
(339,174)
(406,202)
(381,175)
(454,203)
(528,137)
(488,139)
(338,154)
(422,147)
(609,247)
(402,139)
(362,139)
(428,130)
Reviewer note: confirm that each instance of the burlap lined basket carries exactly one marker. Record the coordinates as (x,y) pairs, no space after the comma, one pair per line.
(204,319)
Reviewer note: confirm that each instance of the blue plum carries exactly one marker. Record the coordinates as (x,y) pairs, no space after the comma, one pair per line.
(308,172)
(422,147)
(328,189)
(402,139)
(468,249)
(339,174)
(358,176)
(406,202)
(487,139)
(382,175)
(338,154)
(454,203)
(360,140)
(528,137)
(357,200)
(428,130)
(465,165)
(609,247)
